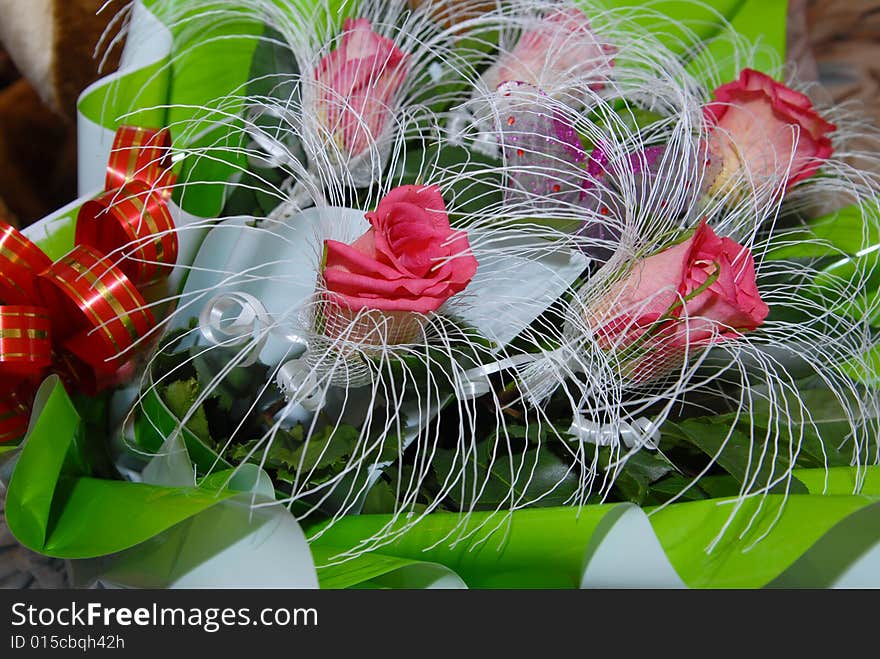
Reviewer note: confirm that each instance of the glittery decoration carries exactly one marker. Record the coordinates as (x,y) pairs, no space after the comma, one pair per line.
(541,148)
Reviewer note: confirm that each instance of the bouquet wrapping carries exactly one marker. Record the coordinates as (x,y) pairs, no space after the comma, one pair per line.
(447,294)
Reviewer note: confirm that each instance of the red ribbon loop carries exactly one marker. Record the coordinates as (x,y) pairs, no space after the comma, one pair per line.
(20,261)
(132,224)
(98,313)
(142,154)
(25,343)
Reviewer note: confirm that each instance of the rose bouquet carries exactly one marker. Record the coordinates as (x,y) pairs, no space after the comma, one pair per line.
(444,293)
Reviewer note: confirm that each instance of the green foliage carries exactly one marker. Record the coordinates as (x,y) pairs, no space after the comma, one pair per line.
(493,479)
(474,176)
(181,396)
(747,458)
(642,471)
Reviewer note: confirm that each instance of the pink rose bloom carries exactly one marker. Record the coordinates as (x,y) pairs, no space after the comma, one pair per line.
(688,296)
(562,47)
(357,85)
(759,126)
(411,260)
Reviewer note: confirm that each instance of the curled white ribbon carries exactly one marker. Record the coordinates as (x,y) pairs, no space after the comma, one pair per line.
(251,323)
(297,381)
(641,433)
(236,319)
(483,140)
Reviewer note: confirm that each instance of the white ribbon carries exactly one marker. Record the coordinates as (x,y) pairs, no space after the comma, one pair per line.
(641,433)
(276,152)
(475,381)
(297,380)
(483,141)
(252,323)
(541,368)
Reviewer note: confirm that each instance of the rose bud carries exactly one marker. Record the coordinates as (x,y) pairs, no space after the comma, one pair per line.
(357,85)
(561,49)
(406,265)
(761,129)
(691,295)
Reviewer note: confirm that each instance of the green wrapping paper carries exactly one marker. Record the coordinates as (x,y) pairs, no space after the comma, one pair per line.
(62,501)
(56,507)
(552,547)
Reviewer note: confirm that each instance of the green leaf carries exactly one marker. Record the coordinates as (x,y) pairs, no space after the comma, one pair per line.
(733,450)
(673,486)
(137,98)
(865,368)
(325,449)
(535,433)
(376,571)
(720,487)
(380,499)
(180,396)
(281,452)
(845,481)
(289,452)
(828,428)
(541,548)
(474,177)
(649,466)
(209,362)
(154,422)
(171,360)
(765,538)
(273,67)
(845,231)
(500,479)
(638,474)
(54,507)
(496,550)
(678,24)
(213,59)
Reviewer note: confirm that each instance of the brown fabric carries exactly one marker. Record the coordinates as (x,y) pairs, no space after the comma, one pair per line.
(8,72)
(38,143)
(800,61)
(452,12)
(845,40)
(37,155)
(78,29)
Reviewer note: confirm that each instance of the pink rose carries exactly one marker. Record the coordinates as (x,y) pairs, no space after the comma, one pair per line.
(562,47)
(688,296)
(759,126)
(358,82)
(411,260)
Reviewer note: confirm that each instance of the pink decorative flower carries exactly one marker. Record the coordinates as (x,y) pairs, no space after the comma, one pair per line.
(561,48)
(688,296)
(763,127)
(357,85)
(411,260)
